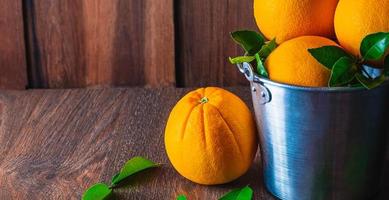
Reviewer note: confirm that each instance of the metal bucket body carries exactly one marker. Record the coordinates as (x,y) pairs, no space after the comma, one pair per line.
(320,143)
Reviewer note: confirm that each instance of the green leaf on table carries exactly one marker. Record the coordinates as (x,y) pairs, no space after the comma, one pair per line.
(328,55)
(245,193)
(99,191)
(181,197)
(115,177)
(342,72)
(374,46)
(370,83)
(241,59)
(267,49)
(131,167)
(261,69)
(250,41)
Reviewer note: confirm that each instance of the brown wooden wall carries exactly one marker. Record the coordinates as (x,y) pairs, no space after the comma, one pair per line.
(94,43)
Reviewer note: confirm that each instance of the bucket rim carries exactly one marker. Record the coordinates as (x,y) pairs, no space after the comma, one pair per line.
(267,81)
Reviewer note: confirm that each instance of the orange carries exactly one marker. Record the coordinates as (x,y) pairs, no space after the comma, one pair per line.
(355,19)
(291,63)
(287,19)
(210,136)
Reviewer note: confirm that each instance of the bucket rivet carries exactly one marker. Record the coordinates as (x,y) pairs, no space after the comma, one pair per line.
(253,89)
(263,94)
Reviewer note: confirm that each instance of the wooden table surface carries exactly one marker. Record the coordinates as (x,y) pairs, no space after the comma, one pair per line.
(54,144)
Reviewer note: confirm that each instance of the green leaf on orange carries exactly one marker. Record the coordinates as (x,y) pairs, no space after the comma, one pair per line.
(343,72)
(328,55)
(241,59)
(132,167)
(99,191)
(261,69)
(370,83)
(374,46)
(267,48)
(250,41)
(245,193)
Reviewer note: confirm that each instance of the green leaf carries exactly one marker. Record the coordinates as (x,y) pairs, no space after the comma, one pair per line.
(133,166)
(328,55)
(115,177)
(181,197)
(374,46)
(241,59)
(342,72)
(99,191)
(267,49)
(370,83)
(245,193)
(356,85)
(250,41)
(261,67)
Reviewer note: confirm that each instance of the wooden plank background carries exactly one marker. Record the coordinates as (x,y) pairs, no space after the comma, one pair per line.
(204,44)
(104,43)
(13,70)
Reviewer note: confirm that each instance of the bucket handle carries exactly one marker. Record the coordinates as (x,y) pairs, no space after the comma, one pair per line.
(265,94)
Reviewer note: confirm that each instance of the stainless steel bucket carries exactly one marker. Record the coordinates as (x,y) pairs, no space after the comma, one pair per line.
(320,143)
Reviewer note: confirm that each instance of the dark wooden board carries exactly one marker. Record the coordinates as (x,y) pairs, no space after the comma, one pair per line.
(203,41)
(92,43)
(13,70)
(56,143)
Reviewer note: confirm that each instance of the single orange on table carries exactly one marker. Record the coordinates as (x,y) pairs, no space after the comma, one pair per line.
(210,136)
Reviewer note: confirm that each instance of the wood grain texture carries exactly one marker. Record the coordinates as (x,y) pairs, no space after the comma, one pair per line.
(203,41)
(54,144)
(159,43)
(86,43)
(13,70)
